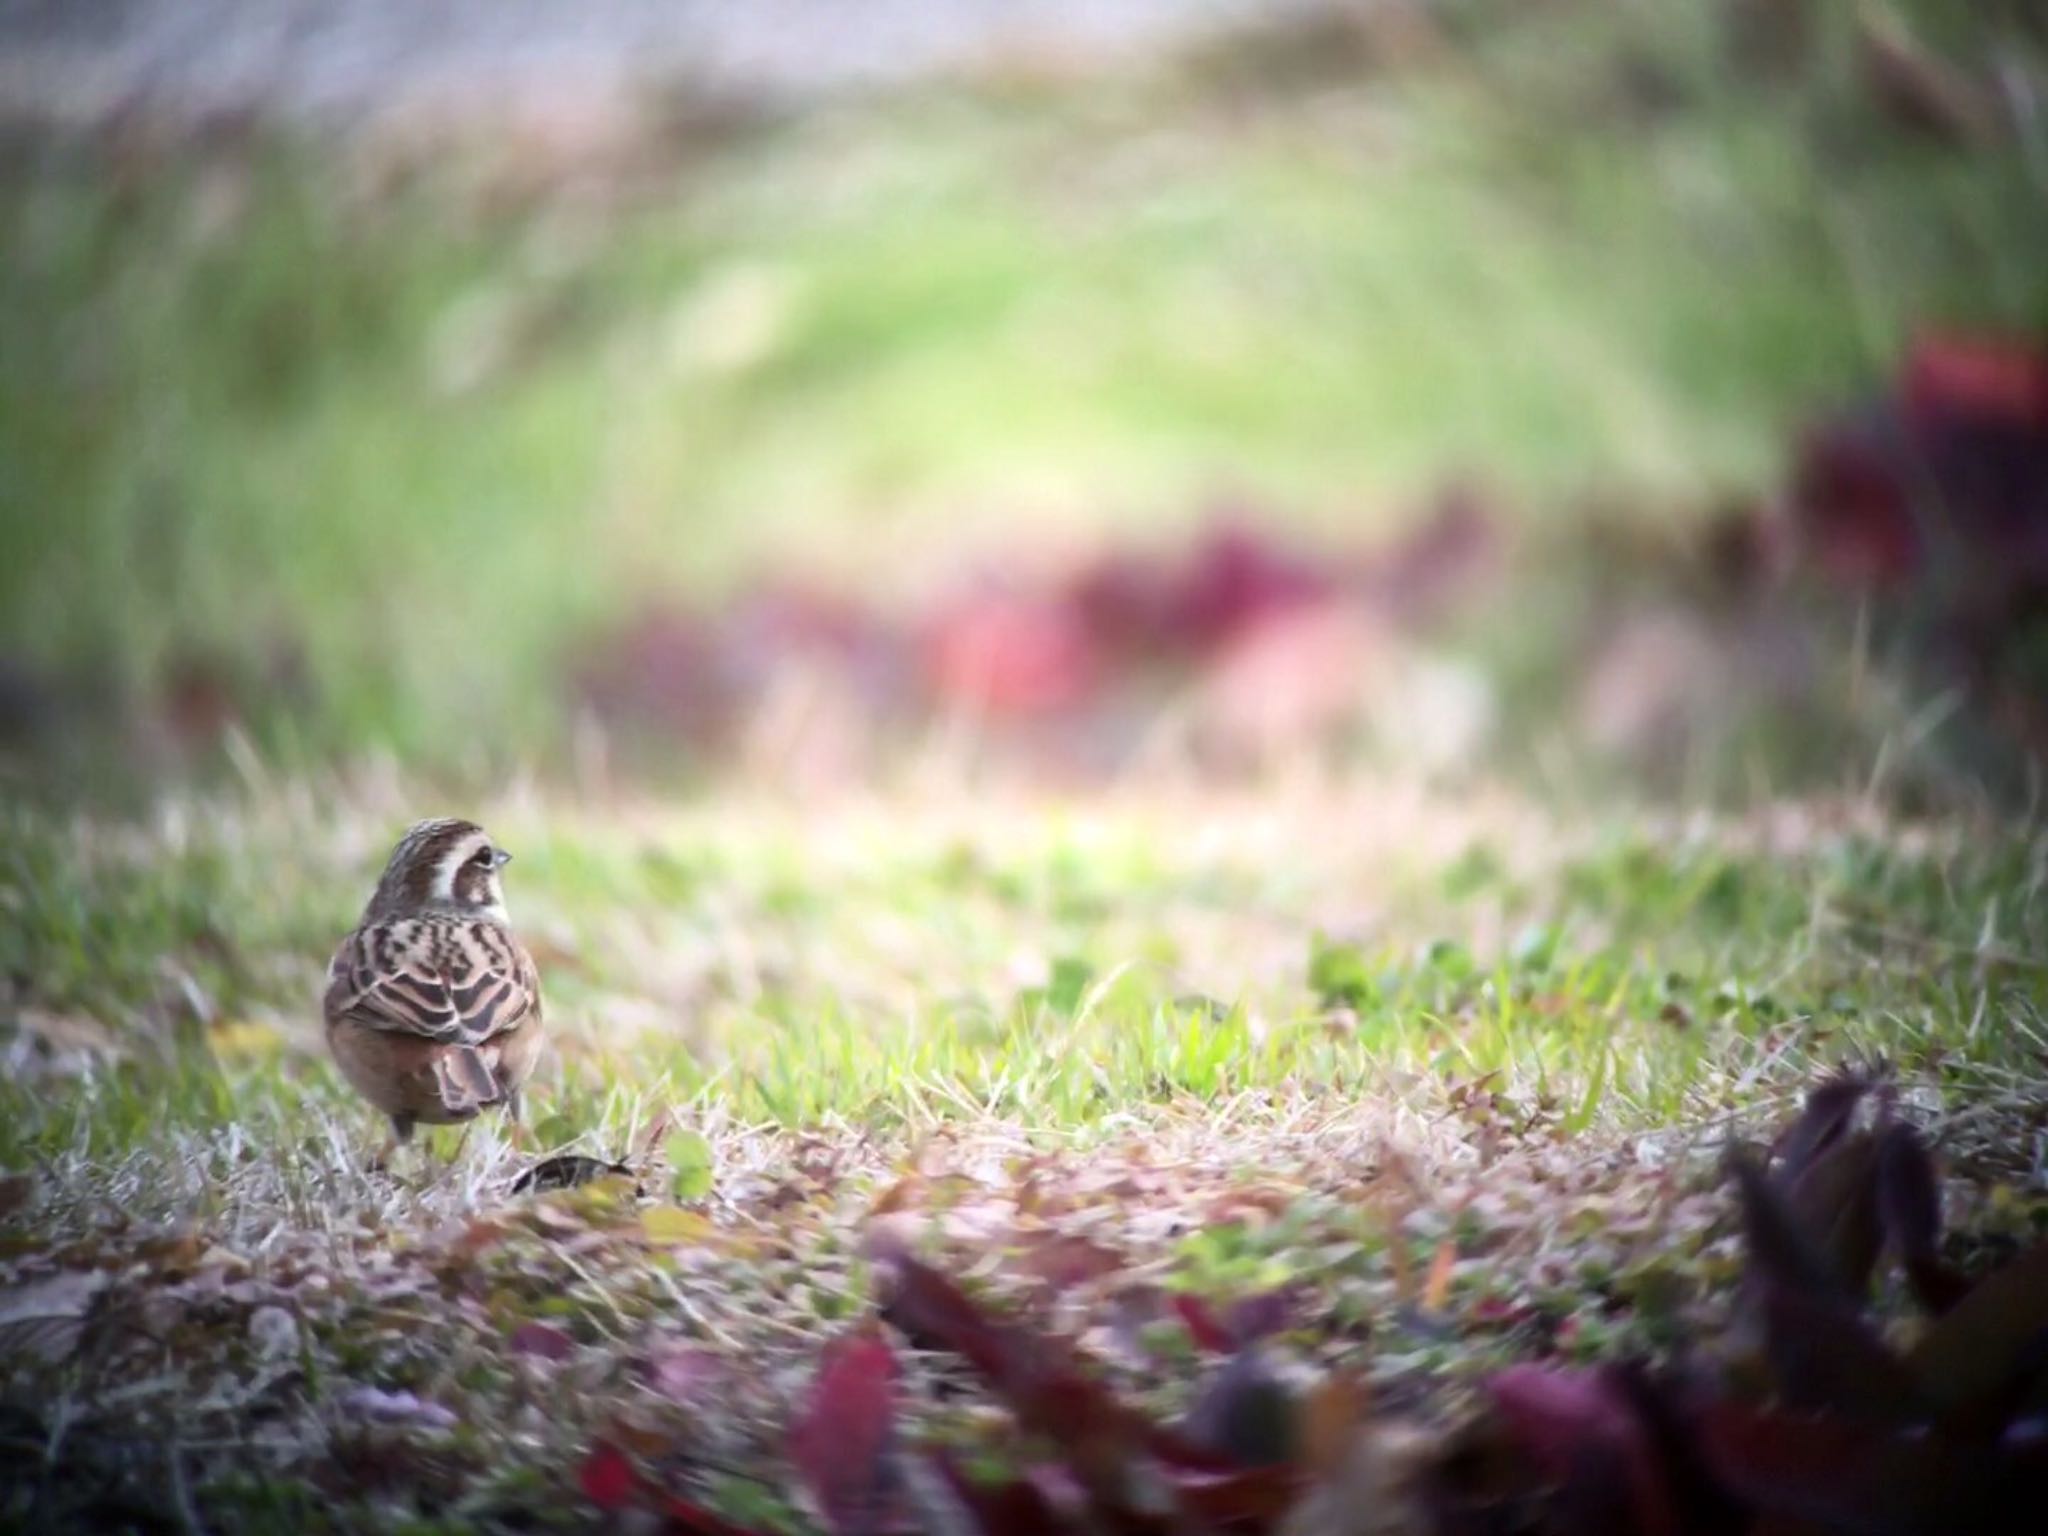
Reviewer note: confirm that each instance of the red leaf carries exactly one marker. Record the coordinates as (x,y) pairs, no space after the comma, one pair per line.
(1829,1108)
(841,1444)
(608,1478)
(1014,1508)
(1234,579)
(1852,510)
(1976,1359)
(1707,1508)
(934,1313)
(1581,1431)
(1826,1358)
(1909,1206)
(1010,655)
(1244,1498)
(1779,1250)
(687,1519)
(1908,1199)
(1205,1327)
(1834,1199)
(1039,1377)
(1852,1477)
(1977,375)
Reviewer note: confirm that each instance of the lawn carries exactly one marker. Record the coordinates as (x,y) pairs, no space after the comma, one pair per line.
(1092,1055)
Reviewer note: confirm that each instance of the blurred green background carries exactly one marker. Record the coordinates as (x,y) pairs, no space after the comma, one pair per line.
(366,441)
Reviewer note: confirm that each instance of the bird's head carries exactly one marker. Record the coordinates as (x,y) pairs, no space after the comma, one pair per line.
(442,865)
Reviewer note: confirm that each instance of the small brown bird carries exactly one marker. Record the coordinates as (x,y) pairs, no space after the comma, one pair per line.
(433,1007)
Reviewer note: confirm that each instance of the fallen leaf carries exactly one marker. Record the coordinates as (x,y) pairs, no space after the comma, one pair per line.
(1834,1198)
(542,1340)
(1203,1325)
(1779,1249)
(1063,1260)
(1037,1376)
(690,1167)
(1825,1358)
(1016,1507)
(906,1191)
(1583,1435)
(684,1518)
(16,1189)
(1437,1289)
(1971,1356)
(841,1443)
(1242,1498)
(1331,1414)
(1402,1262)
(1850,1477)
(44,1318)
(608,1478)
(671,1225)
(1909,1207)
(1829,1108)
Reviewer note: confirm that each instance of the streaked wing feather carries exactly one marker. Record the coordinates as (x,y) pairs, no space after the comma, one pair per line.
(440,978)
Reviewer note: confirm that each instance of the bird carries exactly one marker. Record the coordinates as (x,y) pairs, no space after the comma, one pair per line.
(433,1006)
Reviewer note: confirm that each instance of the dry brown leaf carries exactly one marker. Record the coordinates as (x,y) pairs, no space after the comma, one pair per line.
(476,1236)
(1332,1414)
(43,1319)
(1438,1288)
(15,1192)
(908,1190)
(1061,1260)
(1376,1491)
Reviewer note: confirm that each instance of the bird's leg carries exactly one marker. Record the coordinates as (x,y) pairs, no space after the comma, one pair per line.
(401,1134)
(515,1120)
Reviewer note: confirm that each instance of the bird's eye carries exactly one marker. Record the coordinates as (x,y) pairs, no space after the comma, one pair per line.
(484,858)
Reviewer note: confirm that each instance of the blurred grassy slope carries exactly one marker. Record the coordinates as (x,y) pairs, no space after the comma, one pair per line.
(393,448)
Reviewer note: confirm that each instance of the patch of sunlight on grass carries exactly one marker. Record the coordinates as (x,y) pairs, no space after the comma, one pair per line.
(795,970)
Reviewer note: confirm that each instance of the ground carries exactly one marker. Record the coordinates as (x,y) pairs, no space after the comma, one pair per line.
(358,466)
(1448,1077)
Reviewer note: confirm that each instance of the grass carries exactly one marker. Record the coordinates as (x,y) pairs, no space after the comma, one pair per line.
(384,457)
(891,969)
(1226,1041)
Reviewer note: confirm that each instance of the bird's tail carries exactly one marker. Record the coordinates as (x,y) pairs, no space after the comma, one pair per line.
(465,1081)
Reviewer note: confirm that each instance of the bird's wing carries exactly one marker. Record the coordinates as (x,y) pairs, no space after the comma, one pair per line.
(443,979)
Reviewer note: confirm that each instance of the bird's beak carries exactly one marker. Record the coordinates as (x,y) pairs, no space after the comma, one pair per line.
(503,858)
